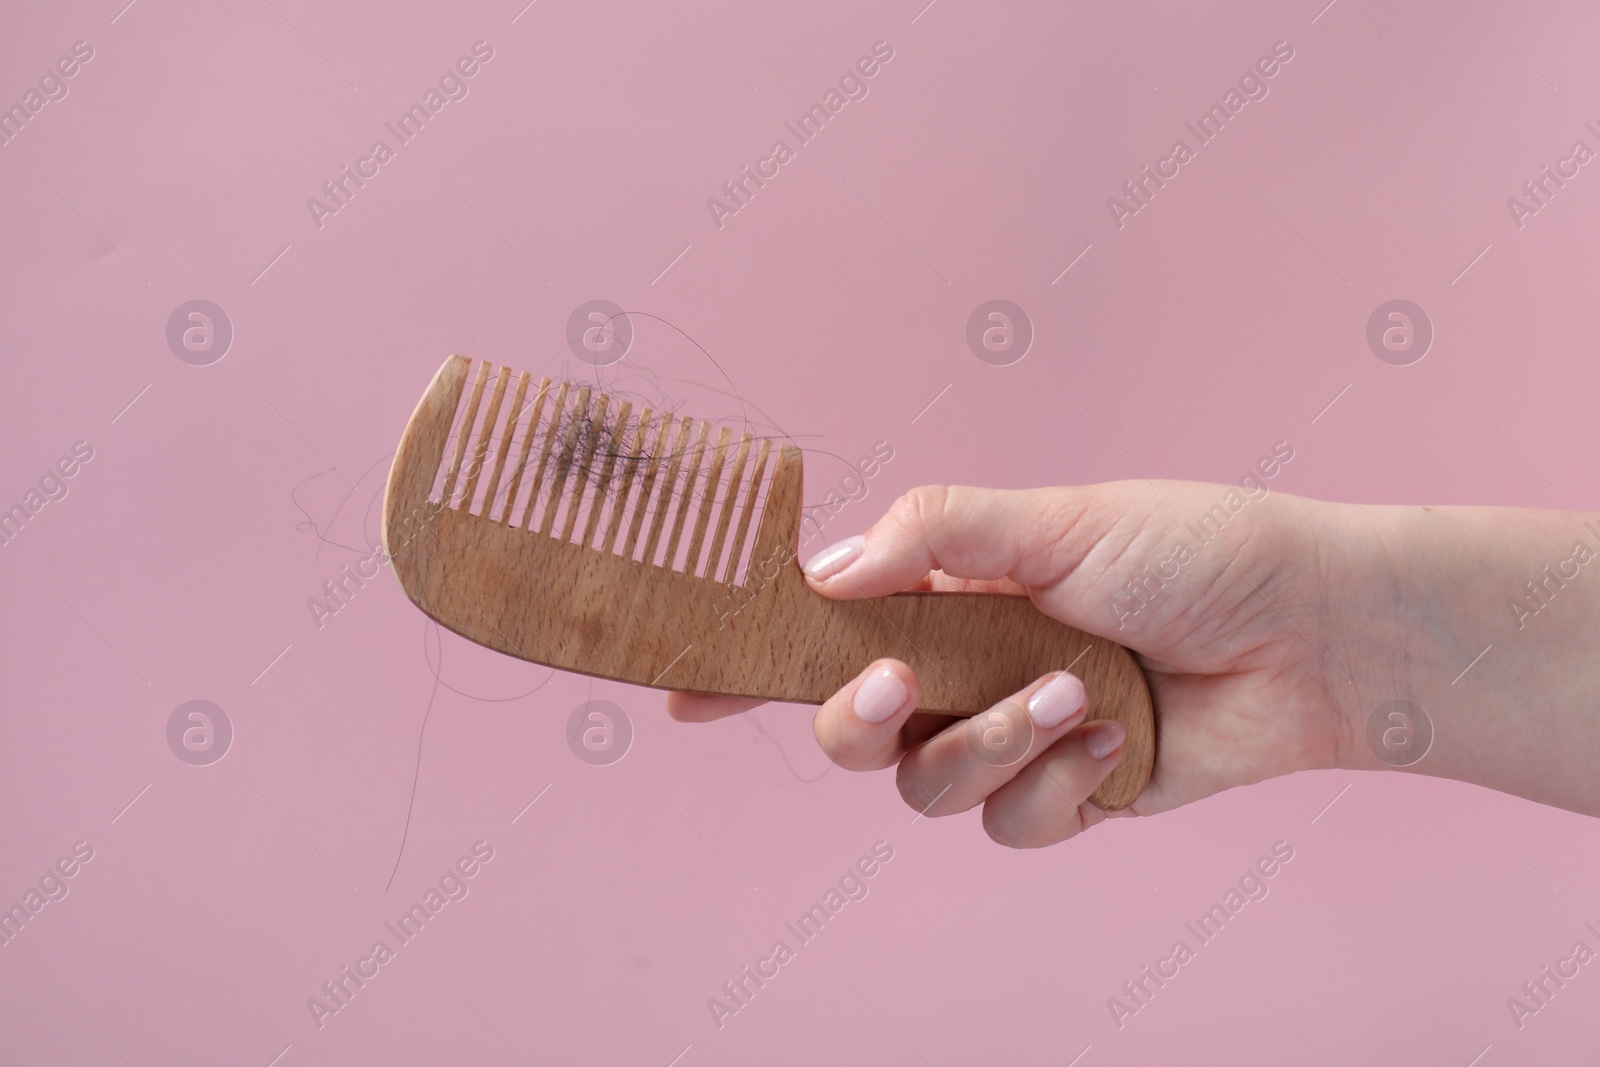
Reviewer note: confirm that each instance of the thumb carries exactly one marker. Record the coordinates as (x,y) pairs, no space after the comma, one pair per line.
(1076,550)
(1035,537)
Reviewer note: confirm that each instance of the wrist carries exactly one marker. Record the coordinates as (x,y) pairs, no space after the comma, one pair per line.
(1383,639)
(1425,603)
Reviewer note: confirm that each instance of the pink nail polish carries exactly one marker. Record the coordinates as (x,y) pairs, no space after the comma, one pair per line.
(1105,738)
(879,696)
(1061,699)
(834,558)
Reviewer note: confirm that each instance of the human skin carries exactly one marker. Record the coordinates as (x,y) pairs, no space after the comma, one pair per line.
(1267,652)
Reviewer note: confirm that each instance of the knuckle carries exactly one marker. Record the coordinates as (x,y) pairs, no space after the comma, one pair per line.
(920,511)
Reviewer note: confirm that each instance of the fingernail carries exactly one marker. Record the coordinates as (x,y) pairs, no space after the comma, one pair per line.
(834,558)
(1105,738)
(878,696)
(1059,700)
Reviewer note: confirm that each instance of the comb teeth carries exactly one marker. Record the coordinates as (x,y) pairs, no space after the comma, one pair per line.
(586,469)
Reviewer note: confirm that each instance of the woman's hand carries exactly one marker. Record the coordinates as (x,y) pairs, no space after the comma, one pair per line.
(1222,591)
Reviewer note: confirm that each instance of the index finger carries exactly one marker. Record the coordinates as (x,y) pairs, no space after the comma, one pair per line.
(707,707)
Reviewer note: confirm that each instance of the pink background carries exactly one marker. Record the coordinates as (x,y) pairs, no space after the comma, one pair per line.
(1224,317)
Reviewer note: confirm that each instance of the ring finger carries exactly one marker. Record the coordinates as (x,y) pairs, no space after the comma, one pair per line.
(959,767)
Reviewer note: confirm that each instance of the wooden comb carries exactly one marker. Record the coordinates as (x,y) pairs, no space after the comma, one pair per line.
(561,527)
